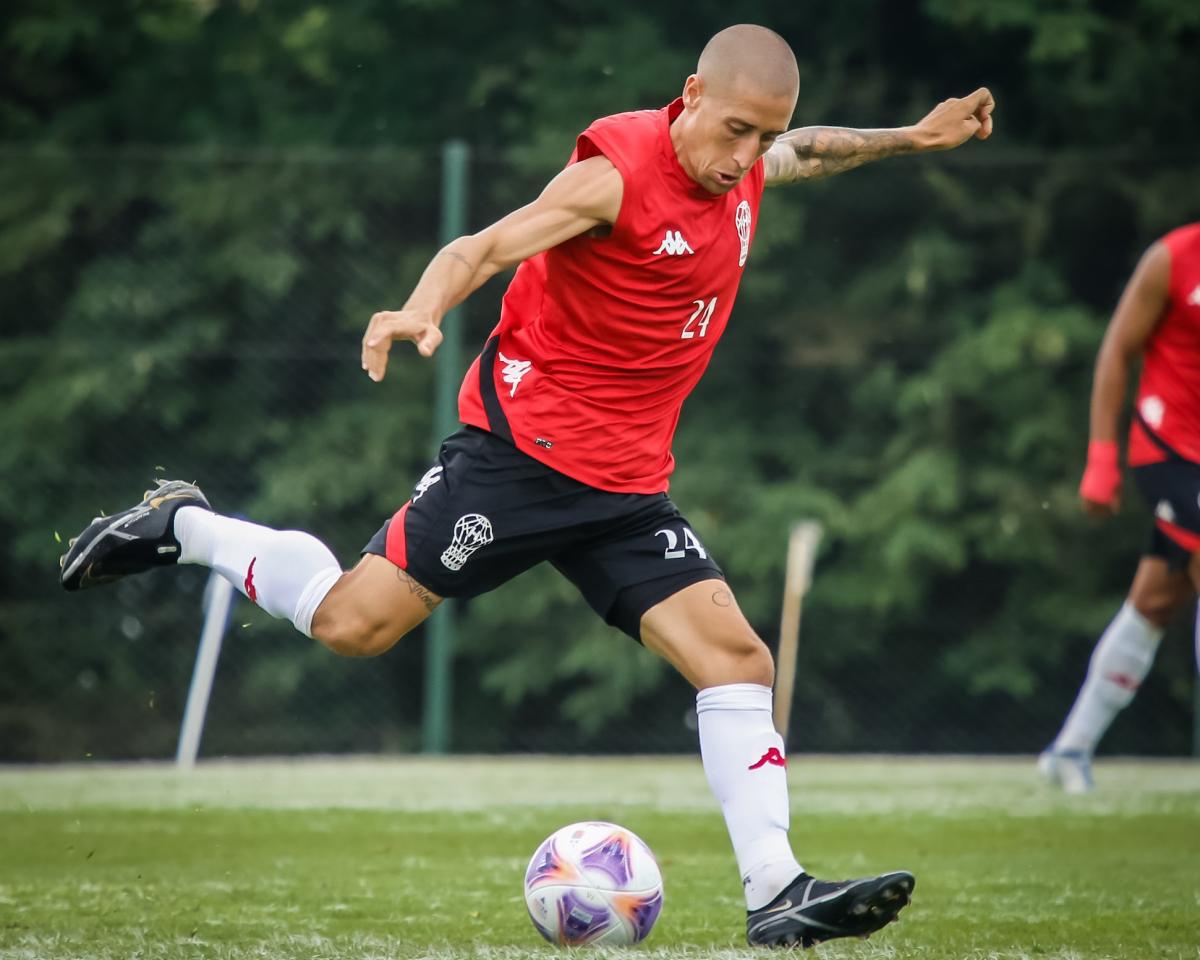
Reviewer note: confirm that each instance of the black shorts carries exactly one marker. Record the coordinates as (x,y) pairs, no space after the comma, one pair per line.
(1172,489)
(486,512)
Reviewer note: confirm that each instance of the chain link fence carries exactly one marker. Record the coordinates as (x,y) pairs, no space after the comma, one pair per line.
(197,315)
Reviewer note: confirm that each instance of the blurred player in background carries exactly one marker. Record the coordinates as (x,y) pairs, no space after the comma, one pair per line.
(1158,319)
(630,261)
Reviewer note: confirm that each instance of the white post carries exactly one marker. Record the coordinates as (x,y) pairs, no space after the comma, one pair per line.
(218,599)
(803,541)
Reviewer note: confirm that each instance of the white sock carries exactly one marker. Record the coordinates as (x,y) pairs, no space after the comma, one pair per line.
(744,762)
(286,572)
(1119,663)
(1197,639)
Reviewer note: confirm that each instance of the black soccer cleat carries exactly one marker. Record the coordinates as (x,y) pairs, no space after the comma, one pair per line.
(131,541)
(811,911)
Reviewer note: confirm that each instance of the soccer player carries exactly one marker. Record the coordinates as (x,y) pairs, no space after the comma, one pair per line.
(1157,318)
(629,262)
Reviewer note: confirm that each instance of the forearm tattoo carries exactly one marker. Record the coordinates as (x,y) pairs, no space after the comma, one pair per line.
(459,257)
(429,599)
(809,153)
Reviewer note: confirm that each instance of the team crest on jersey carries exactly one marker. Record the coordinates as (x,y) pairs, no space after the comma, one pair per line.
(1152,410)
(673,245)
(1194,299)
(741,220)
(471,531)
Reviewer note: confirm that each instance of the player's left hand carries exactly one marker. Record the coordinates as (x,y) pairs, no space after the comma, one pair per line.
(953,122)
(418,326)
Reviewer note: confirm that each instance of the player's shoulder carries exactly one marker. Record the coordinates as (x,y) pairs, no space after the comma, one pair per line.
(1183,240)
(634,121)
(628,139)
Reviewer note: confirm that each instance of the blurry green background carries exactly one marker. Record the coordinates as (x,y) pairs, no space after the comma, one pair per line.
(201,204)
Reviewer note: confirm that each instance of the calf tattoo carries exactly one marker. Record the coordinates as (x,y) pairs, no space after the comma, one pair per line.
(418,591)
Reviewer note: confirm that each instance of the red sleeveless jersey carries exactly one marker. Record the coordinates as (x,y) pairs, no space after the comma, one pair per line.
(1168,398)
(601,339)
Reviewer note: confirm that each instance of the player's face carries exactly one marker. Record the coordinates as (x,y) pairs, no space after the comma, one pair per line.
(729,130)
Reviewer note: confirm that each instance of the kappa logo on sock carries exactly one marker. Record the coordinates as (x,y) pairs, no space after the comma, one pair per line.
(773,757)
(249,584)
(1123,680)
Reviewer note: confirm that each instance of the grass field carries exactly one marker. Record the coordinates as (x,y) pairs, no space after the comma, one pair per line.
(413,858)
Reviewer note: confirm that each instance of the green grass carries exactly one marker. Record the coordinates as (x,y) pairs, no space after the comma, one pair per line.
(413,858)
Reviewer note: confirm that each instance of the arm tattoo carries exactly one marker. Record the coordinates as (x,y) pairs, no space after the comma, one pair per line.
(459,257)
(430,600)
(809,153)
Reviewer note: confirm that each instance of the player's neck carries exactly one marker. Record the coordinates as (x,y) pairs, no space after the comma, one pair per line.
(679,133)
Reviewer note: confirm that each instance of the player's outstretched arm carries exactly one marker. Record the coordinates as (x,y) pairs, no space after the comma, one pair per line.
(1138,313)
(583,196)
(809,153)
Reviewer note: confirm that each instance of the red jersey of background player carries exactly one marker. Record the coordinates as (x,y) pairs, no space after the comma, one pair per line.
(601,338)
(1168,398)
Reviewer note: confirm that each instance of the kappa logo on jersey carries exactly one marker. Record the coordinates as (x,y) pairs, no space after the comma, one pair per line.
(1164,511)
(514,371)
(674,245)
(1194,299)
(471,531)
(431,477)
(741,220)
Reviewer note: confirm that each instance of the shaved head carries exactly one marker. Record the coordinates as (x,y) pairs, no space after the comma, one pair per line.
(735,106)
(760,58)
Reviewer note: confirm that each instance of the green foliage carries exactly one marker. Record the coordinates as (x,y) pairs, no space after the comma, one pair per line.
(204,203)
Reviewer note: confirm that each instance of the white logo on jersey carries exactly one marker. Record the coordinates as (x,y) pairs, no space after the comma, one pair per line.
(674,245)
(514,371)
(1152,410)
(431,477)
(741,219)
(1164,511)
(471,531)
(1194,299)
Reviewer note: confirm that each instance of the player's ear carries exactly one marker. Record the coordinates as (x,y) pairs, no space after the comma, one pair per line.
(693,89)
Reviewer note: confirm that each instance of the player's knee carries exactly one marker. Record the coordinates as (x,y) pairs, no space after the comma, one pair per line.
(759,663)
(747,660)
(351,634)
(1157,604)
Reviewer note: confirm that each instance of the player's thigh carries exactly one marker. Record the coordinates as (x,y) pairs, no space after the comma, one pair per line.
(371,607)
(1161,589)
(701,631)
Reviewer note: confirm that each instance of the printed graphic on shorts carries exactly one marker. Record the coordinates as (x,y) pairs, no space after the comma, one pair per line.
(471,531)
(431,477)
(673,549)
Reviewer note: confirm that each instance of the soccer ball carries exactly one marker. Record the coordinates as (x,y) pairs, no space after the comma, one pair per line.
(593,882)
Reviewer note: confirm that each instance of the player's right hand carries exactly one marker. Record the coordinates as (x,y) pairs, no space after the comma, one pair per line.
(419,326)
(1100,488)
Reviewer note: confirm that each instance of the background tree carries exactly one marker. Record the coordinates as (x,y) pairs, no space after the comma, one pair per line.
(204,202)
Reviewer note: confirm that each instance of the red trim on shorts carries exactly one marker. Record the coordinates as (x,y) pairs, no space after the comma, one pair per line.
(396,548)
(1189,540)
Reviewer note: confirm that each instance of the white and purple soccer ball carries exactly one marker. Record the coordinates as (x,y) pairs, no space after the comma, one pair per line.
(593,882)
